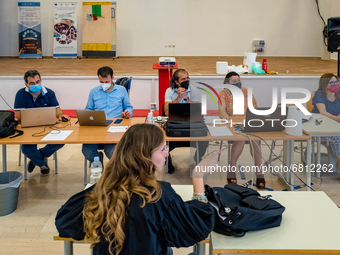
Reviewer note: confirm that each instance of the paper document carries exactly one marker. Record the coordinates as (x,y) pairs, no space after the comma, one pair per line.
(210,119)
(118,129)
(219,131)
(57,135)
(313,116)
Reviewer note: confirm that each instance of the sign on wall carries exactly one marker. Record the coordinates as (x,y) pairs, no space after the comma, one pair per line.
(29,30)
(65,30)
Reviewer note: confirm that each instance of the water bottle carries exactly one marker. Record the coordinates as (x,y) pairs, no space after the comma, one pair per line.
(96,170)
(150,118)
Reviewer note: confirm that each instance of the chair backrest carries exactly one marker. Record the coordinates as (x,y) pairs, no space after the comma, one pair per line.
(125,82)
(309,104)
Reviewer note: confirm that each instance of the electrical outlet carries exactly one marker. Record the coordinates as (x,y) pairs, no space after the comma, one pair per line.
(153,106)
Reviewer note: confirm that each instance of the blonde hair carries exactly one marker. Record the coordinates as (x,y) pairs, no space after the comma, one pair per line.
(130,170)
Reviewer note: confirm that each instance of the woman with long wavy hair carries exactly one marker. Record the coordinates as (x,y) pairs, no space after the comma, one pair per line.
(129,212)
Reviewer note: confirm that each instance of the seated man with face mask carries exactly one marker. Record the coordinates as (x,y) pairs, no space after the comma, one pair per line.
(180,91)
(35,95)
(114,100)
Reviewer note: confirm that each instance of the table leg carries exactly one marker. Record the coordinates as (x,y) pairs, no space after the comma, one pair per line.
(292,164)
(25,166)
(68,247)
(85,172)
(4,158)
(199,248)
(318,157)
(286,158)
(308,173)
(167,159)
(197,153)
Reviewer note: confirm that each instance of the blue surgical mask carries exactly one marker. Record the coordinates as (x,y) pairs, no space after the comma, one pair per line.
(35,88)
(105,86)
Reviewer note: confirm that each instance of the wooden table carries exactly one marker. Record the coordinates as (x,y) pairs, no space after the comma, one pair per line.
(99,134)
(310,225)
(80,135)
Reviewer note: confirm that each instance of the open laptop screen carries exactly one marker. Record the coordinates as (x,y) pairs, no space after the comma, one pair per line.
(31,117)
(185,111)
(92,118)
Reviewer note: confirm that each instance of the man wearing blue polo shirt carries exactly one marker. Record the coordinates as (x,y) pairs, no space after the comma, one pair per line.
(32,96)
(114,100)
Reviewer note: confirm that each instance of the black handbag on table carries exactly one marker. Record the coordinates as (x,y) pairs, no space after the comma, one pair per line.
(239,209)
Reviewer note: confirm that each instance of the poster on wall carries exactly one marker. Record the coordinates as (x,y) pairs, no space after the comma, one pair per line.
(65,30)
(29,30)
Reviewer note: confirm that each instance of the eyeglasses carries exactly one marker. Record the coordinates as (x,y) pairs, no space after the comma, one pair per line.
(334,82)
(165,149)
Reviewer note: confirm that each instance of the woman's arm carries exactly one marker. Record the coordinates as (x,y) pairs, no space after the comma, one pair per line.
(201,170)
(222,108)
(322,109)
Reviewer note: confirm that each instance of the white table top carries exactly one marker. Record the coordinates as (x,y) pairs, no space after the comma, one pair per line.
(327,127)
(311,222)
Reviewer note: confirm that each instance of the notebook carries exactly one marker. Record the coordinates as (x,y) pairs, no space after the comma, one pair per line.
(31,117)
(264,123)
(185,111)
(92,118)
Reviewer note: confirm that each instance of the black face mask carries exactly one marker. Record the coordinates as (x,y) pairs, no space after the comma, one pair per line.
(185,84)
(239,85)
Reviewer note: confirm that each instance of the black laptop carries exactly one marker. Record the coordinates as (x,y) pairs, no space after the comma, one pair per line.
(264,123)
(185,111)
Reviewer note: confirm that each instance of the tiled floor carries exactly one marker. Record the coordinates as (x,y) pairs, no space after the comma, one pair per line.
(30,229)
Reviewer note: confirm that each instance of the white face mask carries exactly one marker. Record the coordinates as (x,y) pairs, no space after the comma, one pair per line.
(105,86)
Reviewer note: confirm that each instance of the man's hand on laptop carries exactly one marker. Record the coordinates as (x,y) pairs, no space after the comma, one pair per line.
(126,114)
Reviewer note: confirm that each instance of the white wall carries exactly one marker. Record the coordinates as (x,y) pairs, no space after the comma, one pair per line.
(72,91)
(195,27)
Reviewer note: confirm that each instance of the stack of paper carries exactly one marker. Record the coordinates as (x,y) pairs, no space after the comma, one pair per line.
(219,131)
(118,129)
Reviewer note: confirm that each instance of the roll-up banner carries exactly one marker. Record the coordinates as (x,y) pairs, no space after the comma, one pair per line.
(65,30)
(29,30)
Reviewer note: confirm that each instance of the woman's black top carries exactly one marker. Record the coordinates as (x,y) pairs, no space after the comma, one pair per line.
(169,222)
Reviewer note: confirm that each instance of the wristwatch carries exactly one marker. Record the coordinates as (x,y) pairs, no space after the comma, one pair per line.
(185,99)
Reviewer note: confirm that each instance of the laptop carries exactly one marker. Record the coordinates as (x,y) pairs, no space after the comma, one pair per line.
(264,123)
(92,118)
(43,116)
(185,111)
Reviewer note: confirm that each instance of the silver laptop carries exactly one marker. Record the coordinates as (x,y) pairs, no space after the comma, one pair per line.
(38,116)
(92,118)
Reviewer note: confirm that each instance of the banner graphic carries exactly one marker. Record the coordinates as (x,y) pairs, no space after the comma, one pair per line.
(29,30)
(65,30)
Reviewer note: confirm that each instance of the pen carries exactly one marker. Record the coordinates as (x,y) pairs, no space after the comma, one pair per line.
(77,121)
